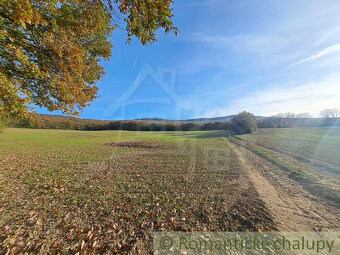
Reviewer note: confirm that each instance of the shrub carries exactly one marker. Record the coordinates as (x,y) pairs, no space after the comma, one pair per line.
(244,123)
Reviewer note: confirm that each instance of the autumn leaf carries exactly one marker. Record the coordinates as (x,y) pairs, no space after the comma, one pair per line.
(51,50)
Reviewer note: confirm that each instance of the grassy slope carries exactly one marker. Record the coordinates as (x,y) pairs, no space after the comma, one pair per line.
(309,155)
(321,144)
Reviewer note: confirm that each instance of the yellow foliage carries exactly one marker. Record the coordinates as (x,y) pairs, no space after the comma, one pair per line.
(51,49)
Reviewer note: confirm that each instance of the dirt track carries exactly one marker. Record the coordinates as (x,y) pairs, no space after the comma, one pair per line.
(291,206)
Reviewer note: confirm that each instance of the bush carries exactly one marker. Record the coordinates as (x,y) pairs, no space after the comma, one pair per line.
(244,123)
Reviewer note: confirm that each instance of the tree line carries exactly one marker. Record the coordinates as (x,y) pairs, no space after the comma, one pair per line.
(63,122)
(329,117)
(242,123)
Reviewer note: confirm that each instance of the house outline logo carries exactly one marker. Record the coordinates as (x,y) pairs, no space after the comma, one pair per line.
(157,75)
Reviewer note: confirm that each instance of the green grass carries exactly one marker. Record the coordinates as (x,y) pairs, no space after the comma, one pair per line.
(70,144)
(310,156)
(320,144)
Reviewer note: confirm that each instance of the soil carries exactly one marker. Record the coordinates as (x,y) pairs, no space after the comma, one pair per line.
(291,206)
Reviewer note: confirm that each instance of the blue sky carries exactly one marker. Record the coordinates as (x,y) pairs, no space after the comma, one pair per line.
(261,56)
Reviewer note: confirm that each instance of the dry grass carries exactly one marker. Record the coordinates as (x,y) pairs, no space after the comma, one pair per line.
(68,192)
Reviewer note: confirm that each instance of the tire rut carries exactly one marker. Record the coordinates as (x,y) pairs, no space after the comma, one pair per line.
(288,203)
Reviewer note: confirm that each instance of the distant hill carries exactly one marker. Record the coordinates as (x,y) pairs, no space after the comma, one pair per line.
(145,124)
(159,124)
(214,119)
(152,119)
